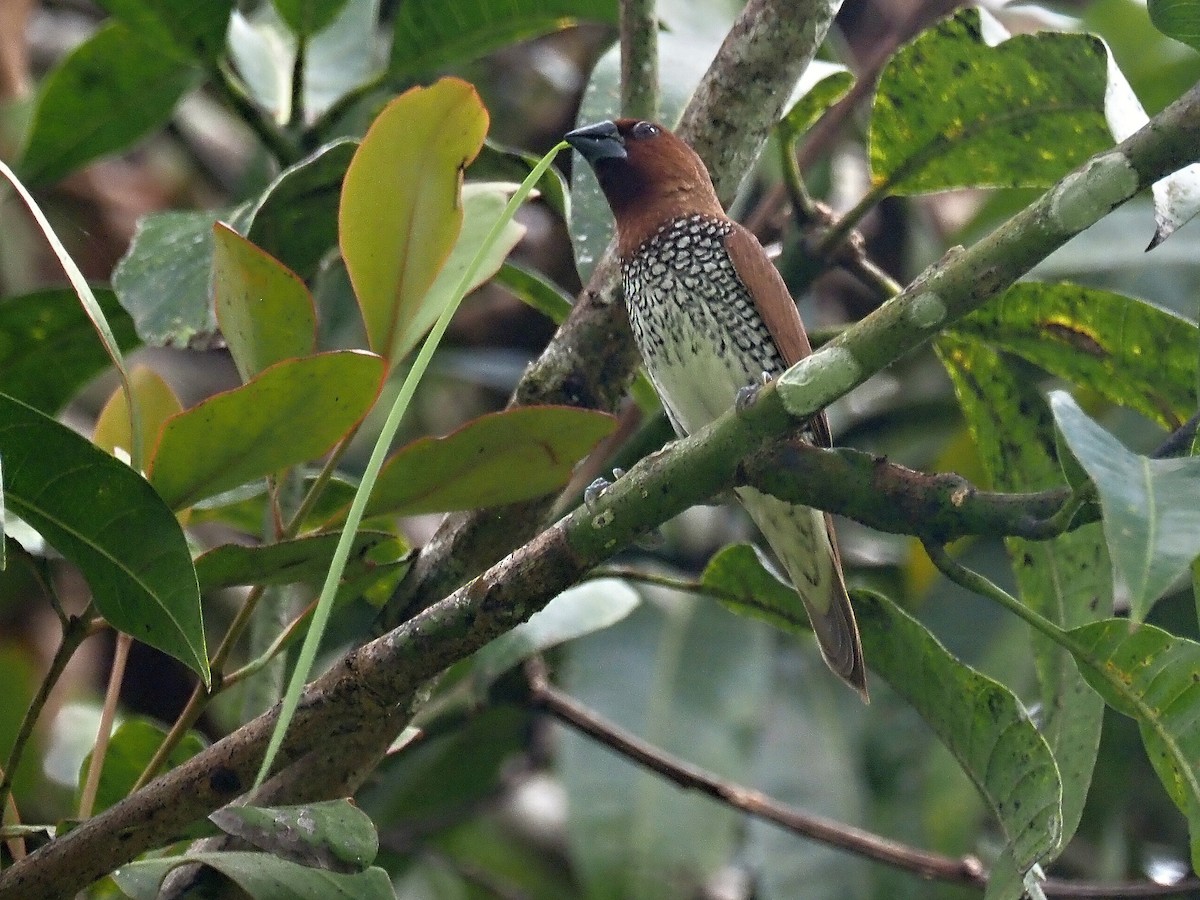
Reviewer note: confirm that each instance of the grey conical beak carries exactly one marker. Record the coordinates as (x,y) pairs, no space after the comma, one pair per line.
(597,142)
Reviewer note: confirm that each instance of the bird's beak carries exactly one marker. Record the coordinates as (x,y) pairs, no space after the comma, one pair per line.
(597,142)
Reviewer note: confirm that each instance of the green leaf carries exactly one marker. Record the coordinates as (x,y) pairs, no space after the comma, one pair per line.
(163,279)
(951,111)
(535,290)
(499,458)
(1179,19)
(482,204)
(344,54)
(108,92)
(496,162)
(334,834)
(291,413)
(400,213)
(296,560)
(266,313)
(1068,580)
(583,609)
(433,34)
(107,520)
(1126,350)
(295,218)
(260,875)
(740,579)
(978,719)
(691,678)
(350,52)
(182,27)
(307,17)
(815,102)
(1154,677)
(130,748)
(1151,507)
(51,324)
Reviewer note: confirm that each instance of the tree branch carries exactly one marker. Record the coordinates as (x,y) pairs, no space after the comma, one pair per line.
(639,59)
(967,870)
(893,498)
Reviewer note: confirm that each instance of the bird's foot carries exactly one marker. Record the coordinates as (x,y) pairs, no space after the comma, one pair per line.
(747,395)
(592,493)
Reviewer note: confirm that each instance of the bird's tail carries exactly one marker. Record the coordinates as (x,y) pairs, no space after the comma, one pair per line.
(804,541)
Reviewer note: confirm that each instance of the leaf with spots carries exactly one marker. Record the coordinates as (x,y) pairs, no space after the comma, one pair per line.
(1153,677)
(1128,351)
(979,720)
(956,109)
(265,311)
(1068,580)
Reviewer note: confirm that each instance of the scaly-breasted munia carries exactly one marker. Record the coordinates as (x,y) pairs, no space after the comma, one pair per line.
(710,315)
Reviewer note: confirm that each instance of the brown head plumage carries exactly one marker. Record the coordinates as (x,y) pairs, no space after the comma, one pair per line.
(648,175)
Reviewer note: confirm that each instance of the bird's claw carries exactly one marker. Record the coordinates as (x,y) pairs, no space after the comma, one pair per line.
(592,492)
(746,395)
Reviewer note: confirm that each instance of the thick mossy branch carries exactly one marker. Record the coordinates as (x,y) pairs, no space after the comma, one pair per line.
(899,500)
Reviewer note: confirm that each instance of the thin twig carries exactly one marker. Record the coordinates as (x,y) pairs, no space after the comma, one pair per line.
(87,798)
(964,870)
(967,870)
(75,630)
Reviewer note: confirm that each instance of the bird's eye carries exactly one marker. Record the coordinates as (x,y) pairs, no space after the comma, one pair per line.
(645,130)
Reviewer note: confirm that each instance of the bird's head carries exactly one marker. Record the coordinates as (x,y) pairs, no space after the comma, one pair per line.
(648,175)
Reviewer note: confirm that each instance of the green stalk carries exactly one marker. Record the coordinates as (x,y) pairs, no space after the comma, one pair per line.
(312,640)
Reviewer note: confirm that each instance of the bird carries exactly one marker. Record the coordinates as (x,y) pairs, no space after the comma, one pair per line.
(711,316)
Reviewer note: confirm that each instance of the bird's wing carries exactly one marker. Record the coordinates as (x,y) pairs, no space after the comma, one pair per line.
(775,305)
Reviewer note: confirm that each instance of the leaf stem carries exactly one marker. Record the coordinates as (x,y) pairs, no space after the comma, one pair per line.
(978,584)
(75,631)
(235,95)
(296,113)
(108,712)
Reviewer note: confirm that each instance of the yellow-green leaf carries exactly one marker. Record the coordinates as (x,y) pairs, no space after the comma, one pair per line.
(499,458)
(156,403)
(400,212)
